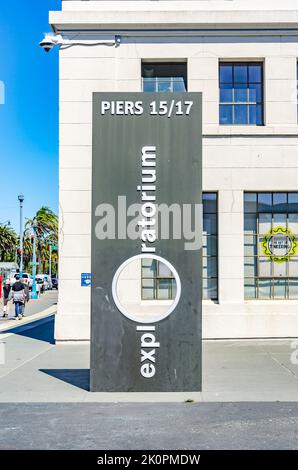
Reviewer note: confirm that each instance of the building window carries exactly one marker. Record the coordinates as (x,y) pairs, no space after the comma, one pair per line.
(271,245)
(241,93)
(158,281)
(210,242)
(164,77)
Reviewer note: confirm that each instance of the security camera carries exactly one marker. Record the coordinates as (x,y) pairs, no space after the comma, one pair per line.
(46,45)
(50,41)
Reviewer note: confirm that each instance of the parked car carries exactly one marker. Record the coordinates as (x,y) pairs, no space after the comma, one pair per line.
(43,279)
(40,283)
(47,281)
(55,283)
(27,278)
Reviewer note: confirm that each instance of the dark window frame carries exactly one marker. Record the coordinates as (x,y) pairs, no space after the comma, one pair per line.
(157,279)
(248,103)
(214,299)
(160,75)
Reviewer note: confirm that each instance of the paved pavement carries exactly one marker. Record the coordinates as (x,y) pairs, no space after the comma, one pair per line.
(149,426)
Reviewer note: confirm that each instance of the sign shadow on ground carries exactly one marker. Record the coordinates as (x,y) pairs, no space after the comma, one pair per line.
(79,378)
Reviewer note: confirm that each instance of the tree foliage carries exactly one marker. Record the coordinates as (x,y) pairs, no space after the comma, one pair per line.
(8,243)
(46,235)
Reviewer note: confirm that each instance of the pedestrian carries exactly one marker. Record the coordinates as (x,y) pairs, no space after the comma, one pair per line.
(6,297)
(18,297)
(27,295)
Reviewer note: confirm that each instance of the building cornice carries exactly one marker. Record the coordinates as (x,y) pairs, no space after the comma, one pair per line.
(169,21)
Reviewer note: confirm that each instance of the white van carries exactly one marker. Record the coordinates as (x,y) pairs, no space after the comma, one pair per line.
(27,279)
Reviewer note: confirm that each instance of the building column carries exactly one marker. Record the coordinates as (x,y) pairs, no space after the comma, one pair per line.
(230,247)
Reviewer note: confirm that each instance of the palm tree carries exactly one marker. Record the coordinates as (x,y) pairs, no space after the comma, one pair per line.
(47,223)
(46,234)
(8,242)
(55,260)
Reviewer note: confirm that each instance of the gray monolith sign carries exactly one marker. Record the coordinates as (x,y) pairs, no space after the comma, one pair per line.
(146,242)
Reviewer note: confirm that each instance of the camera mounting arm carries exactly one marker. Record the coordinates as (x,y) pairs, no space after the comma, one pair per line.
(51,40)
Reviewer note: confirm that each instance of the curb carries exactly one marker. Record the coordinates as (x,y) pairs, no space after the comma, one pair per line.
(13,324)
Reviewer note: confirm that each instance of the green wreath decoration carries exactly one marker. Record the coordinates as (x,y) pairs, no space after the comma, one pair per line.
(266,241)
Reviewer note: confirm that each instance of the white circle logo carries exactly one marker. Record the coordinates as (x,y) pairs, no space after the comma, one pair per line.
(146,288)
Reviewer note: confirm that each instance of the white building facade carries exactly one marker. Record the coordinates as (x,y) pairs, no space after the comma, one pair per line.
(242,55)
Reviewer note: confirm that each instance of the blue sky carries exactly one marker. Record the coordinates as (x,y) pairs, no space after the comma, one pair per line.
(29,116)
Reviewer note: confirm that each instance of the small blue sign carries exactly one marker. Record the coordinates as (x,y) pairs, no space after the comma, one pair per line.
(86,280)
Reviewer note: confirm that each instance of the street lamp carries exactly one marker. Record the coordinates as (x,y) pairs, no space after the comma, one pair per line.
(21,200)
(34,264)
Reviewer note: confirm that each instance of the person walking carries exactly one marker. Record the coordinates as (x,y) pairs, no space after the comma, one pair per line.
(27,295)
(6,297)
(18,297)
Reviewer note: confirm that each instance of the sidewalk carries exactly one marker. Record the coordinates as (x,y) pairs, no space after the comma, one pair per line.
(35,309)
(37,370)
